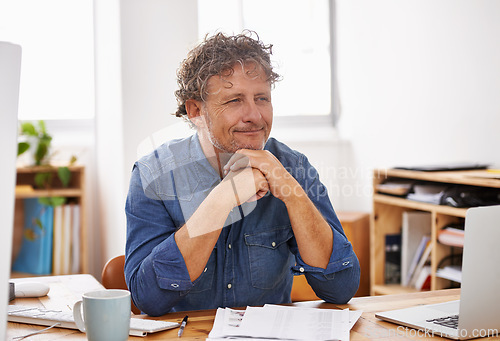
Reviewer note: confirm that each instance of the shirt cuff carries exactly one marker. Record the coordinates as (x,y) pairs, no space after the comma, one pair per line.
(169,267)
(342,258)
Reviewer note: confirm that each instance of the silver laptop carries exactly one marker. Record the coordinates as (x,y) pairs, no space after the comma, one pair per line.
(478,309)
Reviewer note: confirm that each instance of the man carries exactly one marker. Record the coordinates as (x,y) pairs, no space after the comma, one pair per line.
(227,216)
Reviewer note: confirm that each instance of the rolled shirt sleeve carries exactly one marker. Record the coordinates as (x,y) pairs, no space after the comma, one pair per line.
(155,271)
(339,281)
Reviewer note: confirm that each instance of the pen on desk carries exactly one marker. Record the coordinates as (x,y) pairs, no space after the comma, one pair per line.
(183,325)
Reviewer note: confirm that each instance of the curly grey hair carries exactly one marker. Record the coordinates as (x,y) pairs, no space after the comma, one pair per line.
(218,55)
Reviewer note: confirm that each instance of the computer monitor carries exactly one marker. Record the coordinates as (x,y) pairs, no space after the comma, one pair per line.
(10,70)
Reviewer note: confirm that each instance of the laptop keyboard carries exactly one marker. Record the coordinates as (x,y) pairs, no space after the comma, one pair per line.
(448,321)
(46,317)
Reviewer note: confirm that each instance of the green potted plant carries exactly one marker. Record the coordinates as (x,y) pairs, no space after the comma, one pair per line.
(36,140)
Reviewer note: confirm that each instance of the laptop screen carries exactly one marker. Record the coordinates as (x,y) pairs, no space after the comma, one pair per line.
(10,68)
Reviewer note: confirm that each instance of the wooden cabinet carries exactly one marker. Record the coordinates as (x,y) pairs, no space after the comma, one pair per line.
(356,227)
(387,219)
(74,193)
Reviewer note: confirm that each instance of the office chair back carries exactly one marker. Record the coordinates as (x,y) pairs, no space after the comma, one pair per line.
(113,276)
(301,290)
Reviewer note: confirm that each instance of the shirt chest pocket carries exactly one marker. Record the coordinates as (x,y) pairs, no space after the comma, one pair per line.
(269,256)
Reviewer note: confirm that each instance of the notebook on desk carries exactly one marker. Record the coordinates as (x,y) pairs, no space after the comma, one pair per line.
(476,313)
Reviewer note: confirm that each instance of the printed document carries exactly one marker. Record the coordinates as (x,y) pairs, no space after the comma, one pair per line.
(283,323)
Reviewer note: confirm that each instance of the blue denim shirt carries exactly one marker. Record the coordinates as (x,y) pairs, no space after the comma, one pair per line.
(256,255)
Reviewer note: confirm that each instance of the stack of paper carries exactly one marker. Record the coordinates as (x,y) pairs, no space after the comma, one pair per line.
(283,323)
(427,193)
(451,272)
(452,236)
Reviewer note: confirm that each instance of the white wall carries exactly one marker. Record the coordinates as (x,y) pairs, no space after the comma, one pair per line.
(419,83)
(139,45)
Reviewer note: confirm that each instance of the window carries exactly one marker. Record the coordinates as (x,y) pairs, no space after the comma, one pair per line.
(300,34)
(57,69)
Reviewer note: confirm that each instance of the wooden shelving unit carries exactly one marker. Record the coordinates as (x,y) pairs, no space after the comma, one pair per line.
(75,192)
(387,219)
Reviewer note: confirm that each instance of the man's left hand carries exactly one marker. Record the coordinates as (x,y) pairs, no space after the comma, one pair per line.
(281,183)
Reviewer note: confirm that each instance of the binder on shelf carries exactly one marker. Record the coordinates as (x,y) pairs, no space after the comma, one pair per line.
(66,239)
(35,255)
(423,281)
(57,249)
(75,242)
(424,242)
(415,225)
(393,259)
(420,265)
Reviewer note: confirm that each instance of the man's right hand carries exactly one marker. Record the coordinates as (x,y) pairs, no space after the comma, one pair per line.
(248,184)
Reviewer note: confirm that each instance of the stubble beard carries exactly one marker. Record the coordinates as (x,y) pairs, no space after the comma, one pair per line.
(233,146)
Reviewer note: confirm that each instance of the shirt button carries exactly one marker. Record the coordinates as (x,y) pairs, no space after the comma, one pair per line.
(273,244)
(205,270)
(301,269)
(229,246)
(345,263)
(174,285)
(229,286)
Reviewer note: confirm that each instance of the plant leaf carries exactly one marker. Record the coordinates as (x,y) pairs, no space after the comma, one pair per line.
(43,180)
(43,128)
(58,201)
(41,151)
(45,201)
(72,160)
(22,147)
(64,175)
(52,201)
(28,128)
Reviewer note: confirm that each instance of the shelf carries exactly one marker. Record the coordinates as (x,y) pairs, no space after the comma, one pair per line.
(75,193)
(53,168)
(482,178)
(36,193)
(417,205)
(387,219)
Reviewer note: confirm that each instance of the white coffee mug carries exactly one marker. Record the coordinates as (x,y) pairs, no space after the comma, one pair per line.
(106,315)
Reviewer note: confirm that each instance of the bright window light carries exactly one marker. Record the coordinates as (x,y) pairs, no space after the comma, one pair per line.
(57,69)
(300,33)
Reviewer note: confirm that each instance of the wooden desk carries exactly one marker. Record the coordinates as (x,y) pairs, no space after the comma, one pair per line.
(65,290)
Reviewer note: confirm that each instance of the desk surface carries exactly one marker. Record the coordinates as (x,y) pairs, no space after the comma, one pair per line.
(66,290)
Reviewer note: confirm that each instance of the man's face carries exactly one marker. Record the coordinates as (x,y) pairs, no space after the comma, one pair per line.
(238,111)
